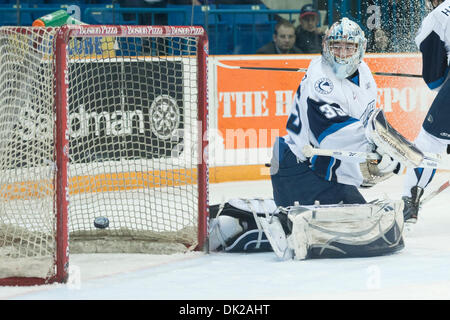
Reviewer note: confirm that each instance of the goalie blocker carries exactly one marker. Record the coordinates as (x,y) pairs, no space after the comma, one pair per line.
(303,232)
(389,141)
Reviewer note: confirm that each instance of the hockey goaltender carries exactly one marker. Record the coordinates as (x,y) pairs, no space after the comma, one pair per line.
(317,210)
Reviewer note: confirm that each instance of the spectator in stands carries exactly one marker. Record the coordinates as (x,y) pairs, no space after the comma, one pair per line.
(283,40)
(308,35)
(378,41)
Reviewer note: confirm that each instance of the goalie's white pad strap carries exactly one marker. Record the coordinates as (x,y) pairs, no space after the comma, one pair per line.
(260,206)
(251,206)
(265,214)
(357,225)
(276,236)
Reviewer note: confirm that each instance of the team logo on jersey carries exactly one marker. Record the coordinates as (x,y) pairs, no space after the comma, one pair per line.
(324,86)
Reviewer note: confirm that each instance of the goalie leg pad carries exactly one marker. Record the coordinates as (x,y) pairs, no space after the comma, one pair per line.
(298,239)
(339,231)
(235,226)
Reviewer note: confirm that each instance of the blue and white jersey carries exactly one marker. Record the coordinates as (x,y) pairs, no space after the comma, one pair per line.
(433,40)
(332,113)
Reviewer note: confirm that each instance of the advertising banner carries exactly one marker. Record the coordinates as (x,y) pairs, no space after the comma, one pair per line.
(118,106)
(252,105)
(129,114)
(249,108)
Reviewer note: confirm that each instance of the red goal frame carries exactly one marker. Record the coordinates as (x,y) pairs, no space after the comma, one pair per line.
(60,69)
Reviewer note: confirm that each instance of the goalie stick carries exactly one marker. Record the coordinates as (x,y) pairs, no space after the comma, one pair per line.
(430,160)
(389,74)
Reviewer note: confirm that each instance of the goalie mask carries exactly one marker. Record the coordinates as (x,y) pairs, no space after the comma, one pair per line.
(343,47)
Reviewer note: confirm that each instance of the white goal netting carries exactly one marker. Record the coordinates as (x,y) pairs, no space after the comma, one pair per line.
(133,146)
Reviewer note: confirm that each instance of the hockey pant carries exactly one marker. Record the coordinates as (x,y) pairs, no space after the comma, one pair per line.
(293,180)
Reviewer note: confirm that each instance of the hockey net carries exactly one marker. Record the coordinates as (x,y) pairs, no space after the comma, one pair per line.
(100,121)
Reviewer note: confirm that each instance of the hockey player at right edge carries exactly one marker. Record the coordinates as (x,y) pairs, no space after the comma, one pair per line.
(317,210)
(433,40)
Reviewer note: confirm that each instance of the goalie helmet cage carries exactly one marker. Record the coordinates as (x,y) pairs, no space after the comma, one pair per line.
(100,121)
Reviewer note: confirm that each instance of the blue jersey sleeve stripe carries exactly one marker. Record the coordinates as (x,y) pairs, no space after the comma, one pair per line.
(438,82)
(432,175)
(418,172)
(313,161)
(325,167)
(329,171)
(335,127)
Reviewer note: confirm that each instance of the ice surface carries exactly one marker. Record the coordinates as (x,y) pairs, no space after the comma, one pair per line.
(420,271)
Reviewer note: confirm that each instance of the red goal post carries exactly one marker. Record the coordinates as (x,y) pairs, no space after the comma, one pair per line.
(100,120)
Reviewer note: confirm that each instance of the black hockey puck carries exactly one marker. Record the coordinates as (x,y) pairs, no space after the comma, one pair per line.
(101,222)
